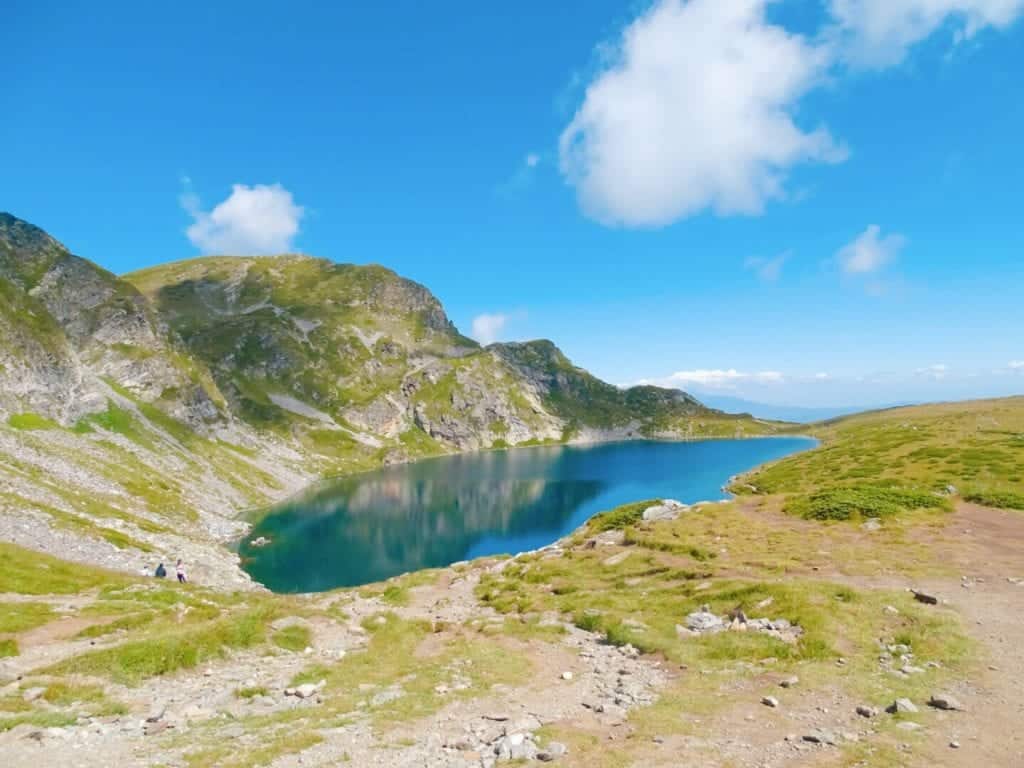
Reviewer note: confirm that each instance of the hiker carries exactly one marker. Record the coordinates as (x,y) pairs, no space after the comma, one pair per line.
(181,572)
(161,572)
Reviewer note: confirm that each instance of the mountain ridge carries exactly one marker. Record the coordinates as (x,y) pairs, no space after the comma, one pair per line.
(183,393)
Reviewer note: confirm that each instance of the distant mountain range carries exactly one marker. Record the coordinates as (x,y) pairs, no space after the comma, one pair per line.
(794,413)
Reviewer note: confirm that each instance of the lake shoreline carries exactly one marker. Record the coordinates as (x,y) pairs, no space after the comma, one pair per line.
(483,504)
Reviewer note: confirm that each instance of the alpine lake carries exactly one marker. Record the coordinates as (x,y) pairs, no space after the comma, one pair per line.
(371,526)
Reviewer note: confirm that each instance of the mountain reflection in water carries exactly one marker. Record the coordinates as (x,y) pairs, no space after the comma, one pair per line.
(375,525)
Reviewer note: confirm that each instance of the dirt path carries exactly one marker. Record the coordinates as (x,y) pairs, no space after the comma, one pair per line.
(984,546)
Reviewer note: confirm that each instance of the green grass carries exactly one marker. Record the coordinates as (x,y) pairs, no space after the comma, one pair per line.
(19,617)
(163,653)
(85,698)
(31,573)
(970,445)
(8,647)
(39,720)
(294,637)
(251,692)
(999,499)
(620,517)
(863,501)
(31,421)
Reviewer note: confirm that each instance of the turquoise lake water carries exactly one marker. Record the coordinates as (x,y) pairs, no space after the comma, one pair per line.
(371,526)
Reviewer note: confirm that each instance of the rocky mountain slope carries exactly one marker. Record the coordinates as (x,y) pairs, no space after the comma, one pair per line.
(140,414)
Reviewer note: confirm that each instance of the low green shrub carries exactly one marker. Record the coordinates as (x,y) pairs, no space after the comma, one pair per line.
(998,499)
(862,501)
(620,517)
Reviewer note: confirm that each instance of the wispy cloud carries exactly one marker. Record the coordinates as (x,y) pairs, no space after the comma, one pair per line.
(870,251)
(715,378)
(257,220)
(488,328)
(522,177)
(935,372)
(768,270)
(878,33)
(1016,365)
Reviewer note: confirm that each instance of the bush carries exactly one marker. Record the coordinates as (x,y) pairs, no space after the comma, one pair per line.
(999,499)
(862,501)
(620,517)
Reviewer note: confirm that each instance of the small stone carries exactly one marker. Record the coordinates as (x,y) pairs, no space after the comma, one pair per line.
(945,701)
(789,682)
(902,706)
(567,675)
(891,610)
(924,597)
(954,745)
(866,711)
(821,736)
(552,751)
(305,691)
(770,701)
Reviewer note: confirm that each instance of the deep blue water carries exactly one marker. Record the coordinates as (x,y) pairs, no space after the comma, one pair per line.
(369,527)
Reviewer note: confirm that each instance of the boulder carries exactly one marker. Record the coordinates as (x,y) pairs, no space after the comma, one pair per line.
(704,621)
(901,706)
(552,751)
(669,509)
(945,701)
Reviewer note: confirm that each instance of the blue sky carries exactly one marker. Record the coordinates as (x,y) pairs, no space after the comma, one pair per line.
(803,201)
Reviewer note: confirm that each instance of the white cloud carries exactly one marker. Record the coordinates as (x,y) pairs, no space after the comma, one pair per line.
(695,111)
(1016,365)
(532,160)
(767,270)
(878,33)
(870,251)
(822,376)
(716,378)
(935,372)
(262,219)
(487,329)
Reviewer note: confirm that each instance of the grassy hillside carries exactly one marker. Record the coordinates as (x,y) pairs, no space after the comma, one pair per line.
(908,458)
(422,643)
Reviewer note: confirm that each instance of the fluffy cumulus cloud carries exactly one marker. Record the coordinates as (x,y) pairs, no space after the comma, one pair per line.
(878,33)
(257,220)
(694,111)
(487,329)
(870,251)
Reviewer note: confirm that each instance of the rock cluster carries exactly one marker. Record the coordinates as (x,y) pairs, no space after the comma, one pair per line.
(705,621)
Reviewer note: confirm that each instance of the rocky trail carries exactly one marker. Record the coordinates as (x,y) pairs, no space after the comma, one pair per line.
(577,683)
